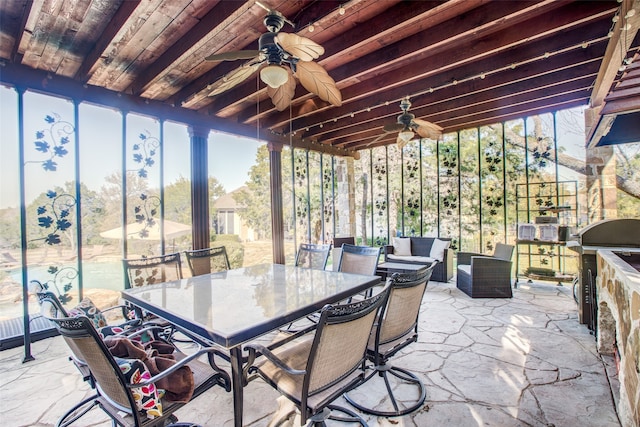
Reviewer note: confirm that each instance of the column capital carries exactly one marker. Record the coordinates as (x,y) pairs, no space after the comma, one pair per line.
(274,146)
(198,131)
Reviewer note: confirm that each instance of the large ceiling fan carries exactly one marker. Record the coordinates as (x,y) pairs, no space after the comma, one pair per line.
(281,57)
(407,126)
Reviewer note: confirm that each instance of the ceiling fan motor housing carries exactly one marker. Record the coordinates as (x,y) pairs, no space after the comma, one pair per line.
(274,21)
(267,44)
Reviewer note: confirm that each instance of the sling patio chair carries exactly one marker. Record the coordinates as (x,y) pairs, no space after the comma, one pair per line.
(312,256)
(124,386)
(359,260)
(151,270)
(313,370)
(395,390)
(205,261)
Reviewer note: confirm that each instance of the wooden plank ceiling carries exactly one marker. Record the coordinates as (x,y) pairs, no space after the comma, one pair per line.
(463,63)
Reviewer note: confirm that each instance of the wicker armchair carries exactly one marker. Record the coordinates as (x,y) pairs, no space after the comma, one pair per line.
(205,261)
(312,256)
(396,328)
(313,370)
(115,393)
(486,276)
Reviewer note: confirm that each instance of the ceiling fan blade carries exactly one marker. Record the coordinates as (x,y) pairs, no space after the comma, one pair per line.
(232,56)
(401,143)
(426,129)
(395,127)
(282,95)
(377,138)
(235,77)
(301,47)
(316,80)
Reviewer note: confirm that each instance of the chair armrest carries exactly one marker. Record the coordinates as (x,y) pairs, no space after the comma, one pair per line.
(179,364)
(388,249)
(465,257)
(264,351)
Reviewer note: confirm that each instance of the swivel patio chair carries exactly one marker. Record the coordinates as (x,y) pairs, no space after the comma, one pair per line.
(150,270)
(313,370)
(205,261)
(312,256)
(486,276)
(120,395)
(395,328)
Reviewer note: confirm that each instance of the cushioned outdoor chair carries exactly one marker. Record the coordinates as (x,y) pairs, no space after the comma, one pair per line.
(122,384)
(486,276)
(312,256)
(205,261)
(313,370)
(395,390)
(150,270)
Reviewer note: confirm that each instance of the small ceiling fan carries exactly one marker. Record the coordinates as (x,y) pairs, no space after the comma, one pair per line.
(407,126)
(281,58)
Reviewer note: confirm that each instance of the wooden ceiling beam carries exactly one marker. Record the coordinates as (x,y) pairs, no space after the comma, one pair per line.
(521,53)
(458,57)
(396,59)
(506,99)
(476,99)
(83,74)
(361,38)
(216,16)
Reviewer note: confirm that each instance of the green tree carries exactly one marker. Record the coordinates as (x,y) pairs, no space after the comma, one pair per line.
(256,198)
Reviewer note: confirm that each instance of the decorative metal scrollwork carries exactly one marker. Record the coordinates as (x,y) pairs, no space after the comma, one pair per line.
(144,153)
(58,137)
(54,216)
(145,213)
(61,282)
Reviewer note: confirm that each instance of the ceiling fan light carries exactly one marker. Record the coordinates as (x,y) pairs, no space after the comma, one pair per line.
(406,135)
(274,76)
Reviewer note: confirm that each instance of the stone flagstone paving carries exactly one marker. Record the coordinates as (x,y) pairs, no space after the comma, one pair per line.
(524,361)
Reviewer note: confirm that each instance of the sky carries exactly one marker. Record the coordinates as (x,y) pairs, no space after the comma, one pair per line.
(100,129)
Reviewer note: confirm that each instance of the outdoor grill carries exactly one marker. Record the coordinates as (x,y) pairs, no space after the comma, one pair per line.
(619,235)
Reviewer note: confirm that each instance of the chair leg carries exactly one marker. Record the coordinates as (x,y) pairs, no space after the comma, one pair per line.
(407,379)
(73,415)
(329,413)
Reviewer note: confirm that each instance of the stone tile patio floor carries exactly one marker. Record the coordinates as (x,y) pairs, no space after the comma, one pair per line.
(524,361)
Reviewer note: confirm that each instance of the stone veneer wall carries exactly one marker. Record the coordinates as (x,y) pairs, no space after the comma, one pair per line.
(618,293)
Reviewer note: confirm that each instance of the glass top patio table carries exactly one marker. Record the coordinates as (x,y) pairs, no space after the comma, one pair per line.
(236,306)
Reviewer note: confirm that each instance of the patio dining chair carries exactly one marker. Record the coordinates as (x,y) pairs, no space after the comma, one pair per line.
(121,395)
(205,261)
(312,256)
(396,327)
(359,259)
(313,370)
(150,270)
